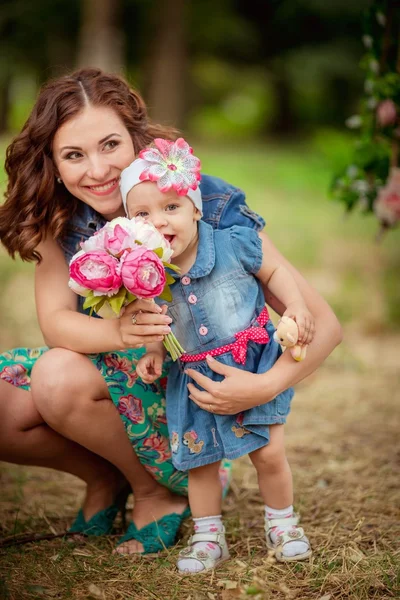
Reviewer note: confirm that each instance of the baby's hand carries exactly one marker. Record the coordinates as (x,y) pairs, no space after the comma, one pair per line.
(304,319)
(149,367)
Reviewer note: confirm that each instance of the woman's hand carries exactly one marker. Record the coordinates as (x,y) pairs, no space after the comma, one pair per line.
(240,390)
(143,322)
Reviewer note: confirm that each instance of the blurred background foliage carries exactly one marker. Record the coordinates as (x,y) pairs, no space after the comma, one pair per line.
(262,89)
(238,68)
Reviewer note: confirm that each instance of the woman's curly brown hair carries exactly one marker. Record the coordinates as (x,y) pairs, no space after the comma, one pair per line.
(35,205)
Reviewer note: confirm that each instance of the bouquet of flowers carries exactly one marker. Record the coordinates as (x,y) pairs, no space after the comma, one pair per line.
(125,260)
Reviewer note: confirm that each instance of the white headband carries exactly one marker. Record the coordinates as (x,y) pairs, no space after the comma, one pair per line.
(131,177)
(171,165)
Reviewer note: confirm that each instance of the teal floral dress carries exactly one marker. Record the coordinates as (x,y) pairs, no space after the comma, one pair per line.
(141,406)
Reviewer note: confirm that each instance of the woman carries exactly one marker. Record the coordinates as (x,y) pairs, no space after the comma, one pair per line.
(63,173)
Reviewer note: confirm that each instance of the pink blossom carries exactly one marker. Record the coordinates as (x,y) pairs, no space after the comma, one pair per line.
(386,113)
(97,271)
(143,273)
(119,241)
(387,204)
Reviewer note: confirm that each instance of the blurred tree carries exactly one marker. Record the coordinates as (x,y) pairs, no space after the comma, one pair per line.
(167,62)
(254,66)
(290,41)
(101,37)
(38,41)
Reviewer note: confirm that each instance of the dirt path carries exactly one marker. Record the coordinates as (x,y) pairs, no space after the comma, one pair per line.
(343,445)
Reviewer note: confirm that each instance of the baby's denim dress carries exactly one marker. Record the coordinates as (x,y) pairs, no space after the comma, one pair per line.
(224,205)
(216,299)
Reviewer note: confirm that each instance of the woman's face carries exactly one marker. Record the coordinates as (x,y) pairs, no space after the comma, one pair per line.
(90,151)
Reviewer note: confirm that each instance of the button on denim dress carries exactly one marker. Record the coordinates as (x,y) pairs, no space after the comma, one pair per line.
(217,298)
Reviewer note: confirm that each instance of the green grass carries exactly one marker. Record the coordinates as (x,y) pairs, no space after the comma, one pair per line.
(288,185)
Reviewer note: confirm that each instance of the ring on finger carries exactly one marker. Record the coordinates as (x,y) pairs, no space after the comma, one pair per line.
(134,318)
(210,408)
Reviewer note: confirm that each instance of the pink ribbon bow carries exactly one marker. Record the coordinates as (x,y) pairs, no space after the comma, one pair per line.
(252,334)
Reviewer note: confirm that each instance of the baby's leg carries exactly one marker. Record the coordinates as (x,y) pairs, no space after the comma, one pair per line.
(207,547)
(205,491)
(273,470)
(276,488)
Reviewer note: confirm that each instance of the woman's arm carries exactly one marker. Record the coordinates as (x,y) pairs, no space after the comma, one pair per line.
(240,391)
(62,326)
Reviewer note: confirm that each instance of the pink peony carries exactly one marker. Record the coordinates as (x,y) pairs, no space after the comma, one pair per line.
(97,271)
(143,273)
(387,204)
(95,242)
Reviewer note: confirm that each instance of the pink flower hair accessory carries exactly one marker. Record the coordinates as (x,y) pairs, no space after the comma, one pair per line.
(171,165)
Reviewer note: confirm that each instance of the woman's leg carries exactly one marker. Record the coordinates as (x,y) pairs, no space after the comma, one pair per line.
(73,398)
(26,439)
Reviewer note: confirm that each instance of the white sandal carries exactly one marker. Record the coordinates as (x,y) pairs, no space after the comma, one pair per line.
(202,555)
(294,534)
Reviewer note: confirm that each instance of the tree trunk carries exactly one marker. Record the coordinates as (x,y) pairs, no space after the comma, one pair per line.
(284,122)
(101,38)
(167,64)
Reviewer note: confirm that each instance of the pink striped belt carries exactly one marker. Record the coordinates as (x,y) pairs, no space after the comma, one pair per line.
(239,348)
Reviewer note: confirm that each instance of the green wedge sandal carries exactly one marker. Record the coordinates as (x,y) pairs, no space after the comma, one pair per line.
(102,522)
(158,535)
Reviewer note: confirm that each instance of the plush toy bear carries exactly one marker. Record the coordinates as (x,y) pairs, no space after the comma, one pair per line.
(287,334)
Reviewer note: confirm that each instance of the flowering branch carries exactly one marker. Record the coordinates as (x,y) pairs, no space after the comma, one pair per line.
(371,182)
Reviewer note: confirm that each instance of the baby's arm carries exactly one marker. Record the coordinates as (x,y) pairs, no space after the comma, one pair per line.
(282,284)
(149,367)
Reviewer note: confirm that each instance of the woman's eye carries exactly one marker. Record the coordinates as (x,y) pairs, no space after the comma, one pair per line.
(111,144)
(73,155)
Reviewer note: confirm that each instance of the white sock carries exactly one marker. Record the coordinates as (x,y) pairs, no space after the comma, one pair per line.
(203,525)
(291,548)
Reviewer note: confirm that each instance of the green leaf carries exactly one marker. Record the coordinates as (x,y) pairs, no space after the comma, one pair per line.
(170,280)
(100,304)
(159,252)
(172,267)
(130,297)
(166,294)
(117,300)
(91,300)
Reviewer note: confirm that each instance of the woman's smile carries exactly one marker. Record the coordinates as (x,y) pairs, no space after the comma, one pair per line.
(105,188)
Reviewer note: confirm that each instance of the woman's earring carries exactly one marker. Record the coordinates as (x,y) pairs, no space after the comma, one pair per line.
(59,180)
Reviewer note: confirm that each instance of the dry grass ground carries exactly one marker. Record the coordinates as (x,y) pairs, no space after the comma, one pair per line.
(342,441)
(342,434)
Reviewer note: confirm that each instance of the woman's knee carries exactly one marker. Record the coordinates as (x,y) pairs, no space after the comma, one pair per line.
(60,382)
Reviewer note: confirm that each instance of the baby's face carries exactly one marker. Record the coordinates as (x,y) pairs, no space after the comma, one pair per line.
(174,216)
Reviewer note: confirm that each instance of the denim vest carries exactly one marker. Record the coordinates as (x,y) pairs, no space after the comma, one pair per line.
(223,206)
